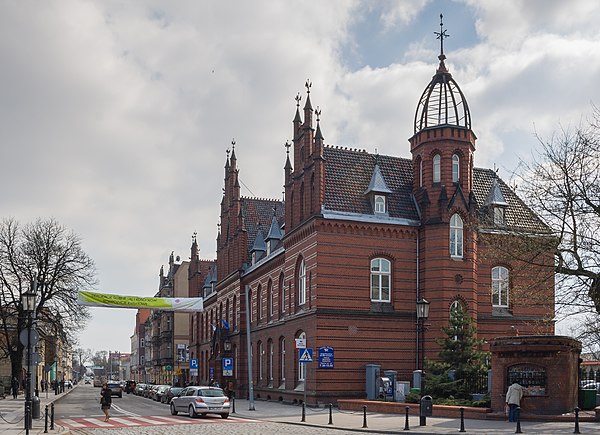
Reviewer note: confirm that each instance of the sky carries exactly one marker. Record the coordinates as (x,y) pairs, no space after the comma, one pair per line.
(115,116)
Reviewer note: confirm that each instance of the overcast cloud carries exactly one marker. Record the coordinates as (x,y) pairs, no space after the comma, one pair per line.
(115,115)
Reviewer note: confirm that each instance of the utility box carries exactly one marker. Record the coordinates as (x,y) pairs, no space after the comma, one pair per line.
(373,373)
(402,390)
(384,385)
(390,392)
(426,406)
(417,378)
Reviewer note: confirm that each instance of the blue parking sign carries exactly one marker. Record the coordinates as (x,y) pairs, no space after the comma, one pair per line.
(193,363)
(227,366)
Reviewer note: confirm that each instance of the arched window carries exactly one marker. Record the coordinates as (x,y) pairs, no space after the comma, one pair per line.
(301,283)
(420,172)
(270,355)
(259,304)
(301,365)
(282,360)
(437,168)
(261,353)
(455,168)
(270,301)
(234,313)
(281,294)
(456,236)
(500,286)
(379,204)
(380,280)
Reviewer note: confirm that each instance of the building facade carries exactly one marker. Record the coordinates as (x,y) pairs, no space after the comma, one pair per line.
(360,238)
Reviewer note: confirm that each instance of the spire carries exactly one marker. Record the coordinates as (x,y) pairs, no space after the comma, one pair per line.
(194,249)
(308,105)
(227,160)
(297,117)
(441,35)
(318,134)
(233,158)
(275,230)
(288,164)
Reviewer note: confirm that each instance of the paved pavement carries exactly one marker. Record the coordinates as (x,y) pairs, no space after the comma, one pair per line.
(279,418)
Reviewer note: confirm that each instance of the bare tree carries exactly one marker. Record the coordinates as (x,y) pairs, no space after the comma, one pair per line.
(46,252)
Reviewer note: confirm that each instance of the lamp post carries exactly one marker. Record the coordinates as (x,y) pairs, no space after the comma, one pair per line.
(28,304)
(422,315)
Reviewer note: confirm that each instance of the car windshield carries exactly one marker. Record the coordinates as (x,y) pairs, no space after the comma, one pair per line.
(176,390)
(213,392)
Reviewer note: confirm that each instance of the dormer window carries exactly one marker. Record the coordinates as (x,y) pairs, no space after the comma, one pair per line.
(455,168)
(379,204)
(499,216)
(437,168)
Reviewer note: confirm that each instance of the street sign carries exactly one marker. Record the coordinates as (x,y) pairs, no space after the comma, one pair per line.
(193,372)
(326,357)
(300,343)
(36,358)
(193,363)
(306,355)
(24,337)
(227,366)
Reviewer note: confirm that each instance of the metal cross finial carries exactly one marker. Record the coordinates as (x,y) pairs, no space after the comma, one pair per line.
(227,151)
(308,84)
(194,236)
(287,146)
(298,98)
(233,144)
(441,35)
(318,113)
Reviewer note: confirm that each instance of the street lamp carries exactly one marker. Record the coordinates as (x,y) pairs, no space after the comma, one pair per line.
(422,315)
(28,304)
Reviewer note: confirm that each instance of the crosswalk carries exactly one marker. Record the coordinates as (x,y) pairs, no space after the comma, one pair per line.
(154,420)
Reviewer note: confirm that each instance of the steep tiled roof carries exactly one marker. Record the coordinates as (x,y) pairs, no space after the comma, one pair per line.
(258,214)
(348,174)
(347,177)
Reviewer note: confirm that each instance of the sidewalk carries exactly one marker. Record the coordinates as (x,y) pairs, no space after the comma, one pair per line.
(12,413)
(393,423)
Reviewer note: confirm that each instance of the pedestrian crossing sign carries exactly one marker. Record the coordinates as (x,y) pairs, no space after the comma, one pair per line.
(306,355)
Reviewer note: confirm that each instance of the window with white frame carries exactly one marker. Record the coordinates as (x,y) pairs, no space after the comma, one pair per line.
(380,280)
(270,300)
(259,305)
(456,236)
(282,359)
(437,168)
(281,294)
(301,283)
(455,168)
(261,353)
(379,204)
(500,284)
(270,360)
(301,366)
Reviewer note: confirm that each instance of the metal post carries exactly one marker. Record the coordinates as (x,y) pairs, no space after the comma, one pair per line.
(52,416)
(233,404)
(462,420)
(576,420)
(518,411)
(46,420)
(330,414)
(28,381)
(406,427)
(364,416)
(303,412)
(249,352)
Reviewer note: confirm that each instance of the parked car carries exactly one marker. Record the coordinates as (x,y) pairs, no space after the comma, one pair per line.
(201,400)
(139,389)
(115,388)
(170,393)
(160,392)
(148,391)
(129,387)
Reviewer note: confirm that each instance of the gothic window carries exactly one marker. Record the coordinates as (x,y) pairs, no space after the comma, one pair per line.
(301,283)
(282,359)
(455,168)
(259,305)
(301,366)
(270,361)
(281,294)
(261,353)
(270,301)
(380,280)
(456,236)
(379,204)
(437,168)
(500,286)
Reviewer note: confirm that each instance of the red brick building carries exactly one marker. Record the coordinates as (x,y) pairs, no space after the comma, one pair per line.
(357,241)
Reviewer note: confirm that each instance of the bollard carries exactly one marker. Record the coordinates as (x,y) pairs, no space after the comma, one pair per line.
(406,419)
(52,416)
(576,420)
(233,405)
(518,411)
(462,420)
(364,415)
(27,417)
(46,420)
(330,414)
(303,412)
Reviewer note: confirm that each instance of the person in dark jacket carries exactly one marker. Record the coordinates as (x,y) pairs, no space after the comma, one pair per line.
(105,401)
(15,387)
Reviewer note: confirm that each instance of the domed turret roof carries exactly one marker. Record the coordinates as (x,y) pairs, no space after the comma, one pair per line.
(442,101)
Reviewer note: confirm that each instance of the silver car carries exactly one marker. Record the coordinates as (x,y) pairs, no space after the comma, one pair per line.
(201,400)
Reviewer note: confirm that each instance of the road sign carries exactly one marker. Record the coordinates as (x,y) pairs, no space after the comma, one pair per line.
(24,337)
(326,357)
(306,355)
(193,372)
(227,366)
(193,363)
(300,343)
(36,358)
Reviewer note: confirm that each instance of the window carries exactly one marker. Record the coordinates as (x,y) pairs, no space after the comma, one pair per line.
(282,359)
(141,342)
(380,280)
(249,307)
(379,204)
(259,305)
(301,283)
(456,236)
(500,286)
(420,173)
(437,170)
(498,216)
(261,353)
(270,300)
(301,365)
(270,362)
(455,168)
(281,294)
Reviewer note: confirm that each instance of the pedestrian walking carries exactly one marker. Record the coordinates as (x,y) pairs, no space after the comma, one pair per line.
(15,387)
(105,401)
(513,400)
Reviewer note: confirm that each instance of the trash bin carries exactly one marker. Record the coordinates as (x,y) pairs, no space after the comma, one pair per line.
(35,407)
(426,406)
(587,399)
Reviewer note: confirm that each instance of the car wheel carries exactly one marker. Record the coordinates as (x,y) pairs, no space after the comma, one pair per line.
(173,410)
(192,412)
(224,416)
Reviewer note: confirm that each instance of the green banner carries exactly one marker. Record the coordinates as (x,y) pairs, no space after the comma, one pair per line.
(92,299)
